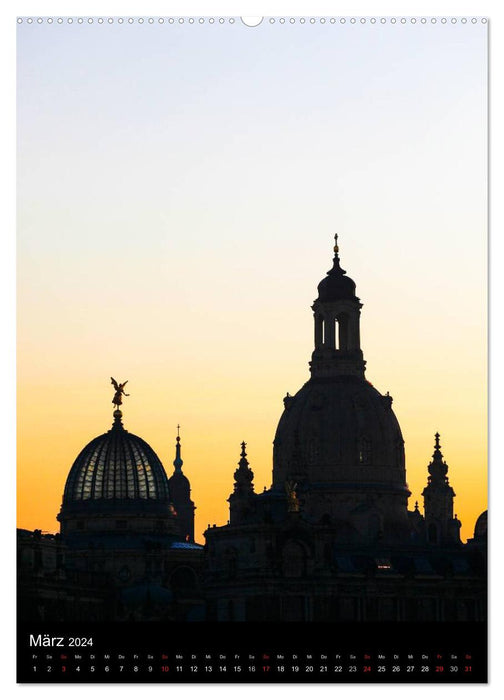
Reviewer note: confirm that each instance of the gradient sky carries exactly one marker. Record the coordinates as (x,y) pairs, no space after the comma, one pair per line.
(178,190)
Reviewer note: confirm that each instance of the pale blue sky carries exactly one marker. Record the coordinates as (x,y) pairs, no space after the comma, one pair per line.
(172,146)
(210,118)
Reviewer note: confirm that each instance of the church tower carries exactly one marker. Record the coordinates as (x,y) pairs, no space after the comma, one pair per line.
(441,526)
(180,491)
(338,438)
(241,500)
(336,314)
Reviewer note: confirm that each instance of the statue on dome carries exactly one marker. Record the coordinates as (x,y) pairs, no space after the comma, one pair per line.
(119,392)
(292,499)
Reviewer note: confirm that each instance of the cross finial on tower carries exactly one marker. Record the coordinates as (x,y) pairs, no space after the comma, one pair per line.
(178,459)
(336,248)
(437,445)
(243,446)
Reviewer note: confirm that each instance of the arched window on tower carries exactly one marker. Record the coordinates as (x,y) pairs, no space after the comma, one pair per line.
(319,331)
(341,332)
(329,331)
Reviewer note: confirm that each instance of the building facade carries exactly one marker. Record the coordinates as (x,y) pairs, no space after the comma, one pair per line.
(333,538)
(123,552)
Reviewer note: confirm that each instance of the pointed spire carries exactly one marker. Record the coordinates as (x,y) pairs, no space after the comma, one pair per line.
(336,286)
(244,475)
(438,467)
(336,268)
(438,500)
(177,462)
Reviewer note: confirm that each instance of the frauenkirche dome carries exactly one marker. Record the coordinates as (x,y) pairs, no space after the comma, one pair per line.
(338,438)
(343,431)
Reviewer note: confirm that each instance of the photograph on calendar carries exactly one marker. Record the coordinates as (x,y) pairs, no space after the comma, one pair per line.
(252,349)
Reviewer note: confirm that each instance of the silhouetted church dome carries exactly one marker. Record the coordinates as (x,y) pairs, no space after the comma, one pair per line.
(480,529)
(338,429)
(336,285)
(341,429)
(179,486)
(116,466)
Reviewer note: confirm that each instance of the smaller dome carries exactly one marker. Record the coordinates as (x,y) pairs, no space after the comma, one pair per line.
(179,486)
(336,285)
(480,529)
(178,483)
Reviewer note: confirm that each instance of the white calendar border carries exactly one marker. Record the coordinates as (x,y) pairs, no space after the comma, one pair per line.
(9,11)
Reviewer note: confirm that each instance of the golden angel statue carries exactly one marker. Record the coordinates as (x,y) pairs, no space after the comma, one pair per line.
(119,392)
(292,499)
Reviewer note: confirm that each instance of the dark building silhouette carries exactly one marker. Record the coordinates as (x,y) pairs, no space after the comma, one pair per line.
(123,550)
(440,525)
(48,590)
(333,539)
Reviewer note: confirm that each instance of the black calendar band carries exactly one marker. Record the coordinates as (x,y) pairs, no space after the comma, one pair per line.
(253,652)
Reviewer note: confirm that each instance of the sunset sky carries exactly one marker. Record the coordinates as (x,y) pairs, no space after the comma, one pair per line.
(179,187)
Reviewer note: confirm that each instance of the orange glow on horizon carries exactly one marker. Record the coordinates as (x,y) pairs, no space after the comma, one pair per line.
(52,432)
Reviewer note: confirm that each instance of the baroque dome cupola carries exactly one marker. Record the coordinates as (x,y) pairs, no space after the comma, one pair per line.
(338,437)
(336,285)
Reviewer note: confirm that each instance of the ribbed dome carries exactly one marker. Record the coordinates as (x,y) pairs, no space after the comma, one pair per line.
(339,430)
(116,465)
(336,285)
